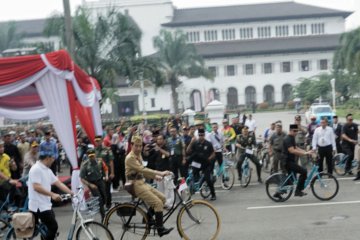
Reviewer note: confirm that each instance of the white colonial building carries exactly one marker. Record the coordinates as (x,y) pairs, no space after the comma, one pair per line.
(258,52)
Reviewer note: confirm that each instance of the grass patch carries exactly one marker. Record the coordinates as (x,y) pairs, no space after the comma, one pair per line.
(342,112)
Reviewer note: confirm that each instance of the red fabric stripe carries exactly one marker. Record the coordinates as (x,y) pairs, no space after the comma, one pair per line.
(71,98)
(20,101)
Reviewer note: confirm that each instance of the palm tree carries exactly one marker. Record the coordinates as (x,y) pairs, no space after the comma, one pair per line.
(178,59)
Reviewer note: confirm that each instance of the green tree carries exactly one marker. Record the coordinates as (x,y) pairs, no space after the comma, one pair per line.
(312,88)
(9,38)
(178,59)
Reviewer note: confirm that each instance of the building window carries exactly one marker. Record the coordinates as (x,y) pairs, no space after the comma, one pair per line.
(232,97)
(305,66)
(250,96)
(153,102)
(193,37)
(230,70)
(317,28)
(299,29)
(267,68)
(269,94)
(323,64)
(214,94)
(249,69)
(213,70)
(282,31)
(264,32)
(246,33)
(210,35)
(228,34)
(286,67)
(196,102)
(286,93)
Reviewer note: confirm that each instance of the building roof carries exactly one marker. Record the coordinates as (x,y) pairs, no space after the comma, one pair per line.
(250,13)
(269,46)
(30,28)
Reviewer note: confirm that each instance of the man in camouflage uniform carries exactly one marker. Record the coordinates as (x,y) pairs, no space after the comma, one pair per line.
(177,153)
(275,149)
(91,174)
(300,140)
(106,155)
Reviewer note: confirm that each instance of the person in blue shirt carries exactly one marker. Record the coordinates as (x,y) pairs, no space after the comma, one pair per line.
(49,147)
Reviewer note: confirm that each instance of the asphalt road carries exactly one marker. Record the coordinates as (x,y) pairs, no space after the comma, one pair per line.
(247,213)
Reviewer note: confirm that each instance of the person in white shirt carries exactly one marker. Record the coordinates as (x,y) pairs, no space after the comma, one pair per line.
(251,124)
(41,178)
(324,141)
(217,140)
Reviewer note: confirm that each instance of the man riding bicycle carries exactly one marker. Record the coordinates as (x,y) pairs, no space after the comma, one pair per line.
(41,178)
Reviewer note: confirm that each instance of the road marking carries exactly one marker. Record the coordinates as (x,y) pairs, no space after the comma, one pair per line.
(303,205)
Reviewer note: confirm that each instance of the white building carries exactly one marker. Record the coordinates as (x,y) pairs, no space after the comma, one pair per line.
(258,52)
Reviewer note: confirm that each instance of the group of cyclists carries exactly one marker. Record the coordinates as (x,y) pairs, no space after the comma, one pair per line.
(176,147)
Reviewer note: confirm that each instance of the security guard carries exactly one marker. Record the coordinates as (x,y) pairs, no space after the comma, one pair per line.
(247,141)
(106,155)
(91,174)
(275,149)
(136,174)
(177,153)
(300,140)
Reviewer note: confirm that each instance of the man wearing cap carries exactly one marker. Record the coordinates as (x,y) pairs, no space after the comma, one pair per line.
(229,136)
(23,147)
(300,139)
(41,178)
(290,150)
(136,174)
(275,148)
(13,152)
(324,141)
(202,153)
(105,154)
(92,174)
(177,153)
(49,147)
(236,125)
(337,127)
(245,141)
(217,140)
(30,158)
(311,129)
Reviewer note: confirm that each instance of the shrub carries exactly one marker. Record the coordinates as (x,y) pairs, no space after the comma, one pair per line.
(263,105)
(290,104)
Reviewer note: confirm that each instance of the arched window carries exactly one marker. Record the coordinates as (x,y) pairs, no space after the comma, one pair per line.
(286,93)
(250,96)
(232,97)
(214,94)
(196,102)
(269,94)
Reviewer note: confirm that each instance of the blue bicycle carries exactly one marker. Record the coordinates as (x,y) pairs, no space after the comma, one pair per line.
(196,185)
(324,186)
(340,160)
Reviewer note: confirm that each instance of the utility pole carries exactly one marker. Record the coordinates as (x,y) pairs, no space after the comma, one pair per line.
(68,28)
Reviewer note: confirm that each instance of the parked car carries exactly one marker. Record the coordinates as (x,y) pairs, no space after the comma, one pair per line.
(319,111)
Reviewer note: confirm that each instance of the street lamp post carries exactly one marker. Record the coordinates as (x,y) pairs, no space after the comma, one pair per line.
(332,81)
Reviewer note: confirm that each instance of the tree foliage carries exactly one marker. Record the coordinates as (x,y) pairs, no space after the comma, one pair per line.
(178,59)
(9,38)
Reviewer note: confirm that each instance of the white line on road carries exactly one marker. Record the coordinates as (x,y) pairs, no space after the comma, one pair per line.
(303,205)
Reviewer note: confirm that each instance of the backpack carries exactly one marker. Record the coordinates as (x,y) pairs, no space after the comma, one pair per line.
(24,224)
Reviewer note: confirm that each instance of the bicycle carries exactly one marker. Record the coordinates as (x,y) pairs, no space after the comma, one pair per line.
(86,229)
(196,186)
(340,160)
(196,219)
(262,153)
(246,169)
(283,185)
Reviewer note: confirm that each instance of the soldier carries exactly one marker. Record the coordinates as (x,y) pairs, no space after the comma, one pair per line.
(91,174)
(177,153)
(106,155)
(275,149)
(136,174)
(300,140)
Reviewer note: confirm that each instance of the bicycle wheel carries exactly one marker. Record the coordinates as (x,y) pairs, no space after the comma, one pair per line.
(198,220)
(96,231)
(276,188)
(324,186)
(266,163)
(117,221)
(246,175)
(339,164)
(227,178)
(205,191)
(3,226)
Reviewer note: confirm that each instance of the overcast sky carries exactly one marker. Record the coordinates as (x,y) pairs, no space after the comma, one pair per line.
(30,9)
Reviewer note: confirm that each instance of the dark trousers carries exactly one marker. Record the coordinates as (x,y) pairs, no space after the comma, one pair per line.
(101,193)
(254,159)
(293,167)
(116,179)
(122,168)
(108,193)
(176,166)
(349,151)
(49,220)
(207,171)
(218,158)
(325,152)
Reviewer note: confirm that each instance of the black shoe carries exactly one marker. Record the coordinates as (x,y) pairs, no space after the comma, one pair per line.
(260,180)
(350,173)
(278,196)
(213,198)
(357,177)
(160,226)
(300,194)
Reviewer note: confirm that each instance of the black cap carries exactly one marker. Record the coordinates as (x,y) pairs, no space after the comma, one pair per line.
(293,127)
(90,151)
(201,130)
(335,116)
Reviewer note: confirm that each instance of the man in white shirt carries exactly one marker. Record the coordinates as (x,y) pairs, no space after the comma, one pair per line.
(251,124)
(324,141)
(217,140)
(41,178)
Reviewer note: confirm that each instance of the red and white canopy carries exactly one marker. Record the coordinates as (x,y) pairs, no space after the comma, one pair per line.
(51,85)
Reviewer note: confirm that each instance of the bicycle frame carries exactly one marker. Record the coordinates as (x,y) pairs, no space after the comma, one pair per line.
(314,172)
(194,186)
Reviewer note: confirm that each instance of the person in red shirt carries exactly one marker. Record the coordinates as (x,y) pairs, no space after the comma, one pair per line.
(108,137)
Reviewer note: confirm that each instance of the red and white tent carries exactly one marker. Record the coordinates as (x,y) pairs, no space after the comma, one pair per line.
(51,85)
